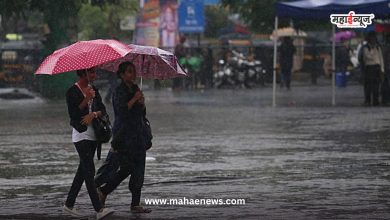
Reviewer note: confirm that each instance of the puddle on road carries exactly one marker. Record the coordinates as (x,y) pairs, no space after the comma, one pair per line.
(305,162)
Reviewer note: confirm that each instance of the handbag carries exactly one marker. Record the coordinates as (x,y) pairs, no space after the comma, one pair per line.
(102,128)
(147,133)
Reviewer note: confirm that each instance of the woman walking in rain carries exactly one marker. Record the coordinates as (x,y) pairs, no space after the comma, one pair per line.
(84,104)
(128,139)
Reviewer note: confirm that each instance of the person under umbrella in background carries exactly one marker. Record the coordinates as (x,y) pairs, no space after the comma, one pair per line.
(84,104)
(129,145)
(287,51)
(343,58)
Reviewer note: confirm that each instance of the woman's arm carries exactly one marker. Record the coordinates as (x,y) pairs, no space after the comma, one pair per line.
(136,98)
(89,95)
(75,113)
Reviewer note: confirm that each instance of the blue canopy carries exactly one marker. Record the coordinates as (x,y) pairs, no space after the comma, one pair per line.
(322,9)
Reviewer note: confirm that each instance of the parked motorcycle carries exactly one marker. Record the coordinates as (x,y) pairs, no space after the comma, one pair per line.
(256,73)
(224,76)
(239,71)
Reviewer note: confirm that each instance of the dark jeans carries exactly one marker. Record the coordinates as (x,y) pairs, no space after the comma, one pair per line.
(286,75)
(385,90)
(85,172)
(372,84)
(129,164)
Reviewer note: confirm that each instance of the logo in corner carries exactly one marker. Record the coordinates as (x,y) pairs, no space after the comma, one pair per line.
(351,20)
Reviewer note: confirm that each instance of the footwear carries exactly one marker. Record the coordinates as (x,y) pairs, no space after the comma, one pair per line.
(104,212)
(140,209)
(102,197)
(71,211)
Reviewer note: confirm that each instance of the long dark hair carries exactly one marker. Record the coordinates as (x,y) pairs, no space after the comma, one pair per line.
(81,72)
(122,68)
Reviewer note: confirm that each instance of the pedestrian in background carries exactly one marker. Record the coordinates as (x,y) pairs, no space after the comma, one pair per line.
(113,83)
(180,52)
(128,142)
(373,69)
(342,58)
(287,51)
(208,67)
(84,104)
(385,87)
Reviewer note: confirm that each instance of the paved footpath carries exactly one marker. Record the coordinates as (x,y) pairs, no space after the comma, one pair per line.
(304,159)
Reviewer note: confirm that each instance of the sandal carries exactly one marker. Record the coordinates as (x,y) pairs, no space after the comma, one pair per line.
(140,209)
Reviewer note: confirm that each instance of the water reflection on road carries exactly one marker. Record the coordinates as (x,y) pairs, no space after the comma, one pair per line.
(302,162)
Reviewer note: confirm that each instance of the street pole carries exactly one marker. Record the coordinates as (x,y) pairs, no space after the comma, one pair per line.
(333,66)
(141,6)
(275,62)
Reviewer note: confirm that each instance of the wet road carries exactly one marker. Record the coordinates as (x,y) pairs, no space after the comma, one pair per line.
(302,160)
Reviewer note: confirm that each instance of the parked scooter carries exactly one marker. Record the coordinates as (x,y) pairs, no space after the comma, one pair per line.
(256,73)
(239,71)
(224,76)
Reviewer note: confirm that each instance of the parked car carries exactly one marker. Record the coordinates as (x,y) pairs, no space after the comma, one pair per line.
(19,59)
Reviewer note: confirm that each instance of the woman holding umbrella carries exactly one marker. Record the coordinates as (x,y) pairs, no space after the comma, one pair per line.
(128,139)
(84,104)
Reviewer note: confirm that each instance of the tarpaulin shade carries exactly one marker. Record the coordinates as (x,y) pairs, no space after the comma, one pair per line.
(322,9)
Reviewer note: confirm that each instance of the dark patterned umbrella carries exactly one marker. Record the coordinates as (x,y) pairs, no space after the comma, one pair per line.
(150,63)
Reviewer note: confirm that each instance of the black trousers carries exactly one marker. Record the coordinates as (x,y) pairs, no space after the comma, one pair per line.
(129,164)
(85,172)
(372,84)
(286,74)
(385,90)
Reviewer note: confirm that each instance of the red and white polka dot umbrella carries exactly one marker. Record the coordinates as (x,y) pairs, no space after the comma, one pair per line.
(82,55)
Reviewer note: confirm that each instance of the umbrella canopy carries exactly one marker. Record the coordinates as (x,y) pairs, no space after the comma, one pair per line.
(150,63)
(343,36)
(82,55)
(288,32)
(322,9)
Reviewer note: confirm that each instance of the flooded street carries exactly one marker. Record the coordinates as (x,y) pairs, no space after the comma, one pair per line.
(303,159)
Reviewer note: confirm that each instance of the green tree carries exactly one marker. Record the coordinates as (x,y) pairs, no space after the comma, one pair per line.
(59,16)
(259,15)
(106,18)
(11,12)
(216,18)
(92,28)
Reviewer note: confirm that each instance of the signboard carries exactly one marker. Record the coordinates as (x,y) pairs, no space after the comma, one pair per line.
(191,16)
(147,25)
(168,23)
(147,33)
(211,2)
